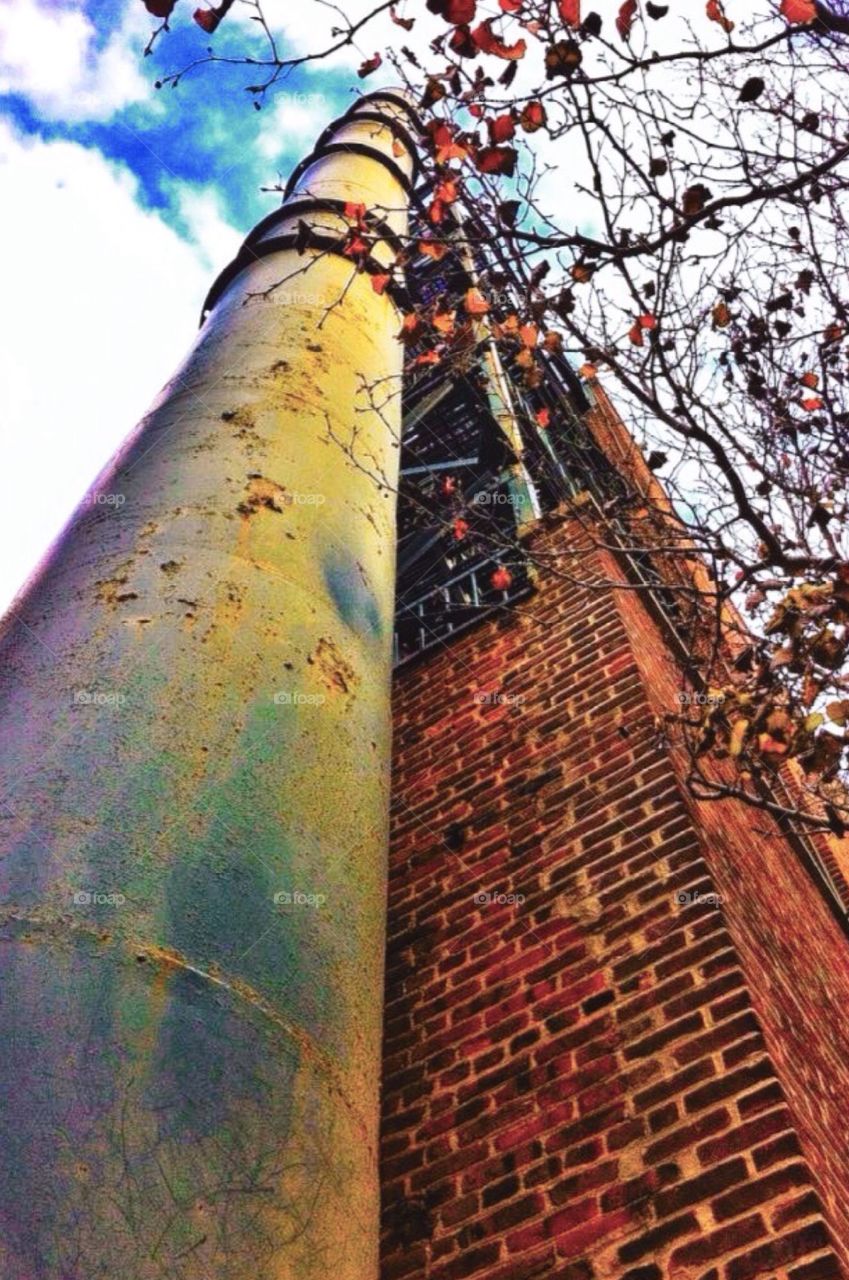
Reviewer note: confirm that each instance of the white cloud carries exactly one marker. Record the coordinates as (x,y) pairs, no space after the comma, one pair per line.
(292,125)
(200,210)
(101,300)
(49,54)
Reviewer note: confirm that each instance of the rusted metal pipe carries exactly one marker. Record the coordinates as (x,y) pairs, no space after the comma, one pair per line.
(194,709)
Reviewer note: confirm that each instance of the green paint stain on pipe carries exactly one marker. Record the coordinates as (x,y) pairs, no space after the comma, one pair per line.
(356,604)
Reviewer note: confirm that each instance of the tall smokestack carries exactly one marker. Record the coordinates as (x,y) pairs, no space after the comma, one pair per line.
(195,767)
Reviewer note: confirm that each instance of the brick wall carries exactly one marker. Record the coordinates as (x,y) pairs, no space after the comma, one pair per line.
(598,1080)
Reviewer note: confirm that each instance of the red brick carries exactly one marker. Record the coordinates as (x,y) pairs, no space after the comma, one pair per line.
(778,1253)
(571,1244)
(688,1135)
(744,1136)
(545,1057)
(716,1244)
(656,1238)
(698,1190)
(470,1261)
(759,1191)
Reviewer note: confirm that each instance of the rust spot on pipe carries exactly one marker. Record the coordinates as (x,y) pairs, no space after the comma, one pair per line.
(259,493)
(244,427)
(335,672)
(111,591)
(231,604)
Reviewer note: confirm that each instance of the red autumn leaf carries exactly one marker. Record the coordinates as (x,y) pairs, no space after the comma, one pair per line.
(533,117)
(208,19)
(443,322)
(570,12)
(588,371)
(648,321)
(502,129)
(448,486)
(562,58)
(716,13)
(721,314)
(511,6)
(446,191)
(508,327)
(508,212)
(625,18)
(501,578)
(370,65)
(406,23)
(529,334)
(411,327)
(543,417)
(439,132)
(694,200)
(476,110)
(810,380)
(460,528)
(812,403)
(380,281)
(160,8)
(475,303)
(496,160)
(462,44)
(459,12)
(488,42)
(434,91)
(635,333)
(356,246)
(799,11)
(444,142)
(433,249)
(426,357)
(356,212)
(454,151)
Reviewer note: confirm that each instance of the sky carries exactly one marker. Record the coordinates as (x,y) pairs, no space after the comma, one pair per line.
(120,204)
